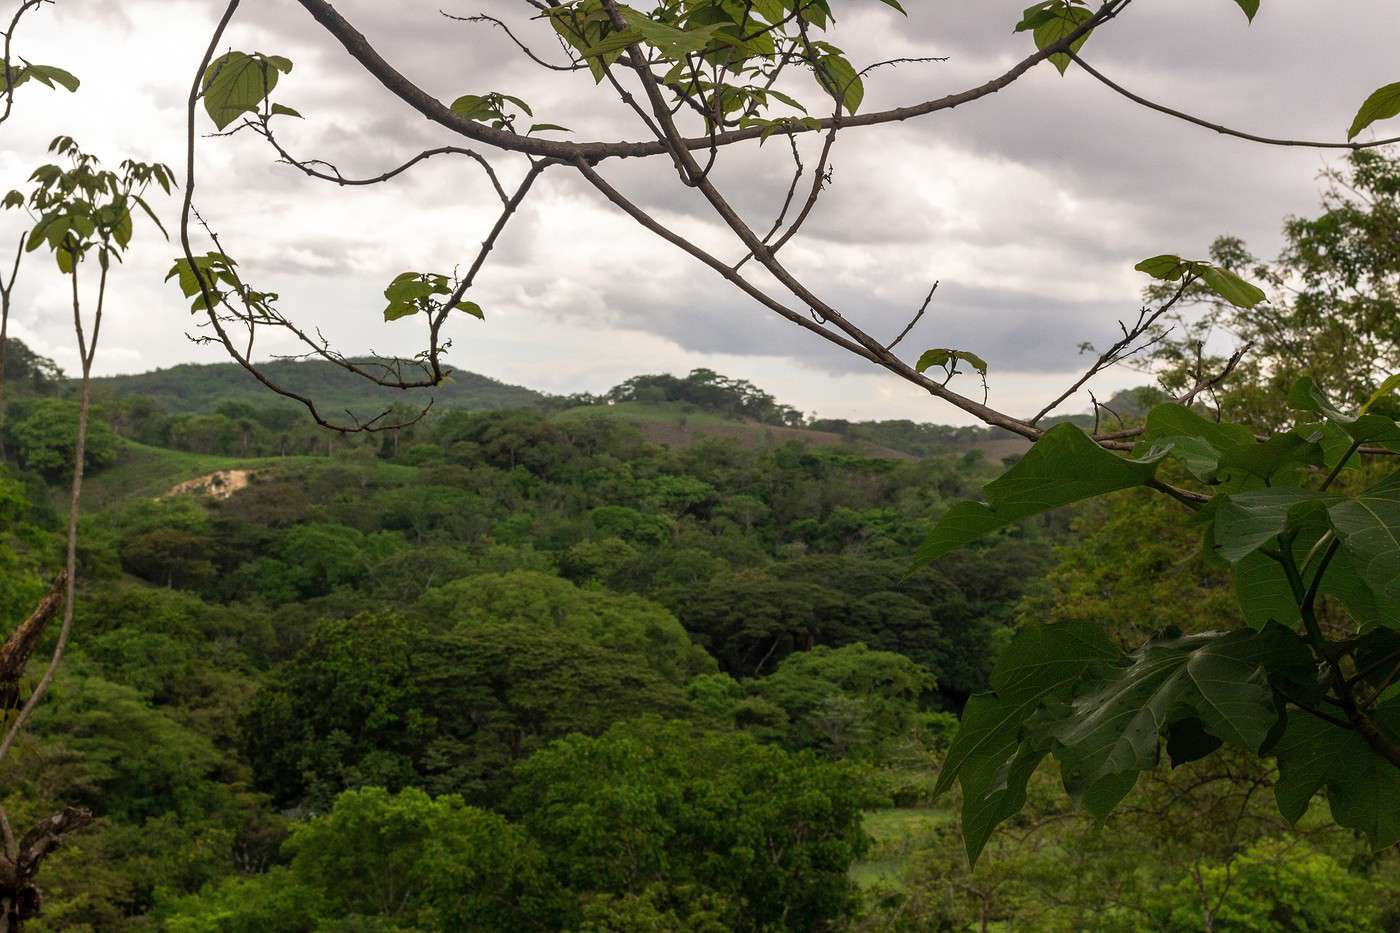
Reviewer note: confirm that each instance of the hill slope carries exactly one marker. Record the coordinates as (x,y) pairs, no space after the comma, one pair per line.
(203,387)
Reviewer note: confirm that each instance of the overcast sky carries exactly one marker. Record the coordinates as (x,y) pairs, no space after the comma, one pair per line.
(1030,206)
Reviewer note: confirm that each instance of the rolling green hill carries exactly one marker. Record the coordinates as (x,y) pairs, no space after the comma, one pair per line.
(680,425)
(203,387)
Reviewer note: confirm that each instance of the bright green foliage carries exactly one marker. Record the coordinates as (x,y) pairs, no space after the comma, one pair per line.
(238,82)
(1052,22)
(86,210)
(677,39)
(49,76)
(717,822)
(42,433)
(847,701)
(387,862)
(1271,886)
(412,292)
(434,863)
(379,701)
(547,603)
(1298,547)
(1222,281)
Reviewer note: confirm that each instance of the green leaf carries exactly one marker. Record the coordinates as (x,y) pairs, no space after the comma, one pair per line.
(1369,529)
(1386,387)
(1363,428)
(991,757)
(49,76)
(472,107)
(1166,267)
(472,308)
(1231,287)
(1383,104)
(1063,466)
(1362,788)
(285,111)
(237,83)
(545,127)
(942,356)
(1263,591)
(839,78)
(1221,680)
(1250,7)
(895,4)
(1246,521)
(1059,27)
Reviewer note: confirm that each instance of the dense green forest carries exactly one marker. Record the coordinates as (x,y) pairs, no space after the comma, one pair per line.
(525,669)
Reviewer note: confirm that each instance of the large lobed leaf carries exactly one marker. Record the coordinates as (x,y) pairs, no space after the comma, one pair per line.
(1065,689)
(1065,465)
(1362,788)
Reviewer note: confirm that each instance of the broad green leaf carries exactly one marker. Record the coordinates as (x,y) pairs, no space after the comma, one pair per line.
(1263,592)
(472,308)
(1369,529)
(1220,680)
(1063,466)
(1246,521)
(1377,655)
(1231,287)
(839,78)
(993,756)
(285,111)
(1386,387)
(1362,788)
(1059,27)
(1218,453)
(237,83)
(1383,104)
(1036,14)
(1166,267)
(49,76)
(547,127)
(1040,662)
(991,798)
(1250,7)
(1362,428)
(942,356)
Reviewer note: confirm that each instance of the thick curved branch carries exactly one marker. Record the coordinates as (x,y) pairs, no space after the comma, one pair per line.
(410,93)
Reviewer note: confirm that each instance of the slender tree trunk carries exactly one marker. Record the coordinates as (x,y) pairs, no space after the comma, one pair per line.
(7,289)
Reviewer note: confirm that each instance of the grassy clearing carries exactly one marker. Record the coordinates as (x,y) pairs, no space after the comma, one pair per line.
(143,472)
(896,835)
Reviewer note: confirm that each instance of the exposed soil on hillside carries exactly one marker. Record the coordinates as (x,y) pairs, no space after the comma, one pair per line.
(217,485)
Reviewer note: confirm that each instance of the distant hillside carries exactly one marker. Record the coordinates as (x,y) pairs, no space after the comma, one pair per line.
(203,387)
(679,425)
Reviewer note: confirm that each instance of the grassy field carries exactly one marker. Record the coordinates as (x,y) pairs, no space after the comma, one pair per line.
(147,472)
(896,834)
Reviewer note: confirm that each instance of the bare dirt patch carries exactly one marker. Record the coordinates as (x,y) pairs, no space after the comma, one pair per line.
(217,485)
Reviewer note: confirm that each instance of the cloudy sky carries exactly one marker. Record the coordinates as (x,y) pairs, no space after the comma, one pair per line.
(1030,206)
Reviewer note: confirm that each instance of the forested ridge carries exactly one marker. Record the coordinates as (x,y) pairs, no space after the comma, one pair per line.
(517,670)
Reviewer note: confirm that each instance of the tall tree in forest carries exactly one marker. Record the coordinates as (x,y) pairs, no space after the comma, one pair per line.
(84,215)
